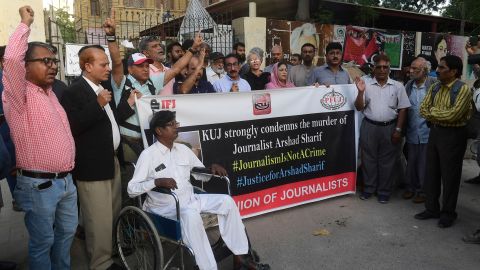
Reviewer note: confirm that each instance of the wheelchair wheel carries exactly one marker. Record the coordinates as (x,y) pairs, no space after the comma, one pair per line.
(137,240)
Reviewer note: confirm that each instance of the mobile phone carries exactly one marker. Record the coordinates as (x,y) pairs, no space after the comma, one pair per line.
(44,185)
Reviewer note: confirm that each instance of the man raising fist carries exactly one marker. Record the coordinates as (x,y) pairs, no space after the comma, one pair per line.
(44,147)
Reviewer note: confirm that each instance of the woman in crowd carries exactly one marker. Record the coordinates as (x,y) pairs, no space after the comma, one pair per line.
(279,78)
(256,77)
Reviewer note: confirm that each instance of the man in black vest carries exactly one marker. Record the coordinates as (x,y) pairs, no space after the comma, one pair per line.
(91,113)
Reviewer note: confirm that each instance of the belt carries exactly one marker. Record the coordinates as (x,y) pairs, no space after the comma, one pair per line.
(42,175)
(384,123)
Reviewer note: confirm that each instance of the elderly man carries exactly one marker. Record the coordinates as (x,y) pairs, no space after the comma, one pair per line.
(384,104)
(300,73)
(45,148)
(215,71)
(417,129)
(232,81)
(138,81)
(152,48)
(176,161)
(277,56)
(331,73)
(447,106)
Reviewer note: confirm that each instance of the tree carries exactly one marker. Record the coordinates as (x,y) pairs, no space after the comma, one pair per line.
(454,10)
(66,24)
(424,6)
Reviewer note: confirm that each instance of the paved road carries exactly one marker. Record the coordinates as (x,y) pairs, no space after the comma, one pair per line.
(362,235)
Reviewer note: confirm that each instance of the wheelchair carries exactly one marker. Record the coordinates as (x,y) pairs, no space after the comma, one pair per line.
(142,238)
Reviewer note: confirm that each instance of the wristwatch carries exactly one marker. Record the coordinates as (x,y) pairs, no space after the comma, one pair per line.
(399,130)
(111,38)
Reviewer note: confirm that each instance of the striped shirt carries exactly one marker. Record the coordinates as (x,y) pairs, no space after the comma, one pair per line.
(441,112)
(39,125)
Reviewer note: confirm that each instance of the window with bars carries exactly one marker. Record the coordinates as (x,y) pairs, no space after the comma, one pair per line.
(94,8)
(134,3)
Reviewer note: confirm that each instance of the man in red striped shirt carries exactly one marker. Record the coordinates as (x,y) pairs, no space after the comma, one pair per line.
(44,146)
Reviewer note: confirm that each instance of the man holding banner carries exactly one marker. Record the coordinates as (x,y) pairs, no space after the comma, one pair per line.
(384,104)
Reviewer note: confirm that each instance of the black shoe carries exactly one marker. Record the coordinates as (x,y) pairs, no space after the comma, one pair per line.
(407,195)
(116,266)
(383,199)
(426,215)
(475,180)
(246,263)
(445,222)
(365,196)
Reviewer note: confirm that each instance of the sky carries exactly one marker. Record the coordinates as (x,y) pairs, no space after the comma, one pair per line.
(59,4)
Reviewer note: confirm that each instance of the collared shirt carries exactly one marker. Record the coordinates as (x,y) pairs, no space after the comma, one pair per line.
(117,91)
(225,84)
(299,74)
(441,112)
(325,76)
(383,102)
(476,99)
(257,82)
(157,161)
(417,130)
(212,76)
(115,132)
(158,78)
(38,123)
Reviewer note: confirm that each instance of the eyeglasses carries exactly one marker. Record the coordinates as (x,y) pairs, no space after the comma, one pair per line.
(254,60)
(172,124)
(48,61)
(382,67)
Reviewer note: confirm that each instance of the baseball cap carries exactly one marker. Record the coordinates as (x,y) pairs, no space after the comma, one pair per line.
(216,55)
(137,59)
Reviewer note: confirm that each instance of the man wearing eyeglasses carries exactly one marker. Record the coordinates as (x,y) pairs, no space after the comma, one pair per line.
(44,146)
(232,81)
(384,104)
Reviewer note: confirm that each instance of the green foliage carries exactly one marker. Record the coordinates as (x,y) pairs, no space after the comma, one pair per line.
(424,6)
(66,24)
(472,10)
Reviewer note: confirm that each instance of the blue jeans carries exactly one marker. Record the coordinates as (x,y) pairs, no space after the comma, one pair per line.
(51,219)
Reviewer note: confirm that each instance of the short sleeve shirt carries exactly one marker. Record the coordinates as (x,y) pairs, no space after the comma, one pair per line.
(383,102)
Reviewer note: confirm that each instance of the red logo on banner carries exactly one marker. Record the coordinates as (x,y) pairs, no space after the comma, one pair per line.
(262,104)
(168,104)
(333,100)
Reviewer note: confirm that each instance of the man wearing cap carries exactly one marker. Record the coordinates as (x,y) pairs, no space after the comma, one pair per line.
(215,71)
(138,79)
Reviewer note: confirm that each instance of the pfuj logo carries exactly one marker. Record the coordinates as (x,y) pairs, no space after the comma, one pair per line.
(262,104)
(333,100)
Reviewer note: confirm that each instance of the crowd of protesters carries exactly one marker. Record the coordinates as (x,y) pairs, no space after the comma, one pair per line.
(65,144)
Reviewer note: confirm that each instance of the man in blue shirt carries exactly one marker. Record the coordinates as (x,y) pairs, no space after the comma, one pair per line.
(417,129)
(232,81)
(331,73)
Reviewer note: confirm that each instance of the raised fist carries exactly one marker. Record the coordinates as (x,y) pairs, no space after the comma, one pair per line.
(26,15)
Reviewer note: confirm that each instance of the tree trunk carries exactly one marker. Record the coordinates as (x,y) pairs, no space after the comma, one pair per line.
(303,10)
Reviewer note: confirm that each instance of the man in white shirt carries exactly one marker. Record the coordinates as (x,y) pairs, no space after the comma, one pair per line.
(167,164)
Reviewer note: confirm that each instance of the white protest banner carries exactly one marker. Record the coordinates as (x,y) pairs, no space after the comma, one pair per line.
(281,148)
(72,66)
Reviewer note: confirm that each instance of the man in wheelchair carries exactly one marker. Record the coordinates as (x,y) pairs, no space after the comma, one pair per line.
(167,164)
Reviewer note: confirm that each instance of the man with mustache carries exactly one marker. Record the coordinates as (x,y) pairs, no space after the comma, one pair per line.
(300,73)
(384,104)
(215,71)
(232,81)
(44,147)
(332,72)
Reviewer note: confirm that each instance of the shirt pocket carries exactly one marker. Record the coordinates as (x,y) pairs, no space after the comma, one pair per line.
(183,168)
(392,100)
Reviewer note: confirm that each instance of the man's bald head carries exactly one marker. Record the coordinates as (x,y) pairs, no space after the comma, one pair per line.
(87,54)
(277,54)
(94,63)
